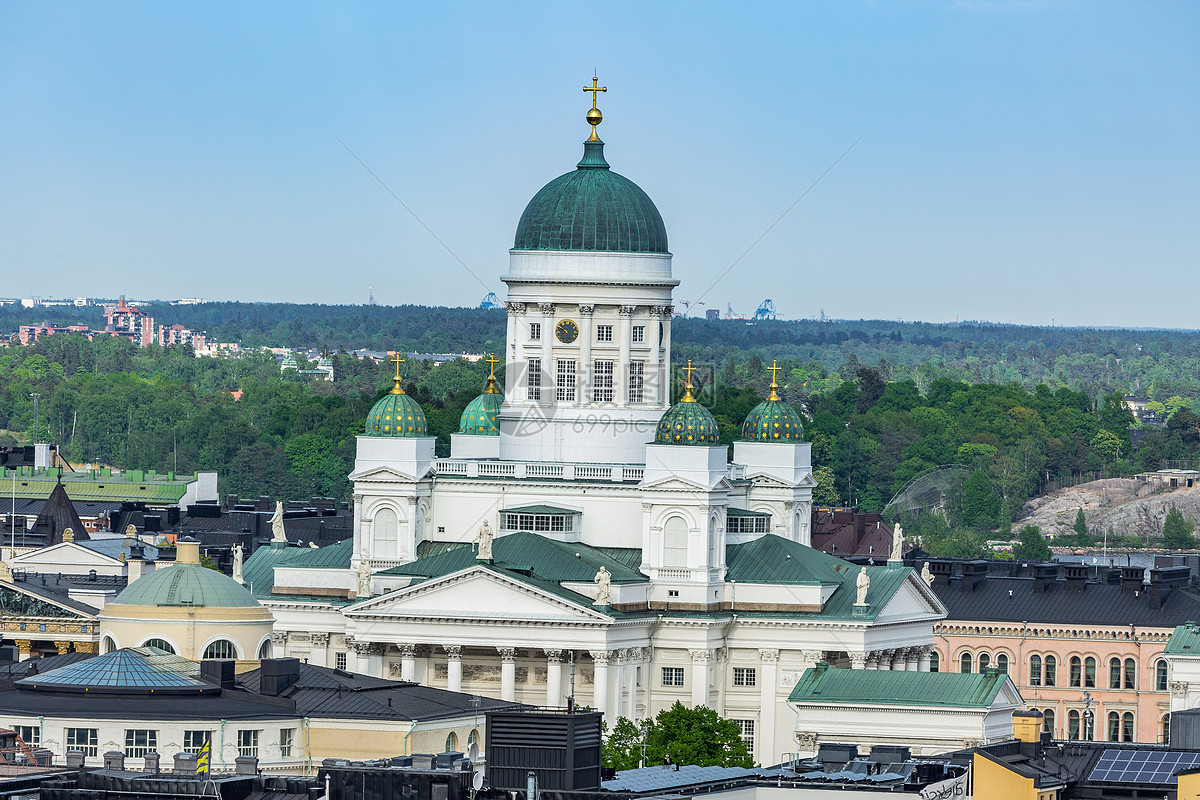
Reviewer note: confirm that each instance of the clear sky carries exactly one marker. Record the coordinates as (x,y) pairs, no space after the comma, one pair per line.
(1024,160)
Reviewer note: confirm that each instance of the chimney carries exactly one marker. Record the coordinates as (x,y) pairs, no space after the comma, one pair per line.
(1044,576)
(1163,581)
(114,759)
(220,672)
(75,759)
(973,573)
(187,551)
(1076,577)
(1132,579)
(245,765)
(941,571)
(185,764)
(1027,725)
(151,762)
(277,674)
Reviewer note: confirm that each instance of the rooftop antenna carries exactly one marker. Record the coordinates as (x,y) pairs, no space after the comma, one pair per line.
(370,295)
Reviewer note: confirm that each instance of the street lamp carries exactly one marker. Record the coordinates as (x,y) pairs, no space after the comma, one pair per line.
(36,396)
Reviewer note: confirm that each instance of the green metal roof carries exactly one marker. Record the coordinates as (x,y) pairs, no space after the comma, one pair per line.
(1185,641)
(82,486)
(687,422)
(629,556)
(396,414)
(259,569)
(538,509)
(745,512)
(183,584)
(592,209)
(479,417)
(822,684)
(773,421)
(773,559)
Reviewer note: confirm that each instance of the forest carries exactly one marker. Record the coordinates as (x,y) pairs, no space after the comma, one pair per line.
(1024,409)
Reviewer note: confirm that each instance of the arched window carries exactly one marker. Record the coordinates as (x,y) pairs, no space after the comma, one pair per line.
(1089,672)
(1076,671)
(1130,674)
(221,649)
(1048,721)
(1114,673)
(110,644)
(1114,726)
(473,745)
(264,650)
(1051,671)
(985,661)
(1127,726)
(160,644)
(451,743)
(385,530)
(935,661)
(964,662)
(1002,662)
(1160,675)
(675,543)
(1072,724)
(1035,670)
(1164,726)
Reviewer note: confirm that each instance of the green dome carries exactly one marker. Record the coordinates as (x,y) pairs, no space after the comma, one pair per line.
(479,417)
(186,584)
(396,414)
(687,422)
(773,420)
(592,209)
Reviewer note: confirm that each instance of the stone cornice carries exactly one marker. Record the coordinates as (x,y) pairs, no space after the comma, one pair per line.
(1064,632)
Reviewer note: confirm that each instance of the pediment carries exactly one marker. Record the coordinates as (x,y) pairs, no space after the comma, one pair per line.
(678,484)
(913,600)
(16,602)
(64,553)
(476,594)
(382,475)
(1008,695)
(762,479)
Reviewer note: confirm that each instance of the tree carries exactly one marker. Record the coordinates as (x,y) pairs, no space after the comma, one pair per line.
(826,492)
(1080,526)
(1108,445)
(1177,531)
(622,749)
(688,735)
(980,503)
(1032,545)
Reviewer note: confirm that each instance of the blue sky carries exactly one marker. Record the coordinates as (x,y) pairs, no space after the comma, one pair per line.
(1026,161)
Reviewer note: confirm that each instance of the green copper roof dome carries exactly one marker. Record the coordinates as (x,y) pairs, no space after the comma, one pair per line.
(186,583)
(592,209)
(479,417)
(396,414)
(773,421)
(687,422)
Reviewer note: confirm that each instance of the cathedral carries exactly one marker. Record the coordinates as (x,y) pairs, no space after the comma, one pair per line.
(586,539)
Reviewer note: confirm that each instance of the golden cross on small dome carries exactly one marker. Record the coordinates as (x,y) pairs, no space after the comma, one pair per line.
(594,117)
(492,361)
(396,384)
(774,386)
(687,383)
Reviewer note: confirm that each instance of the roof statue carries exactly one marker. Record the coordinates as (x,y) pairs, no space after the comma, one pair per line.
(277,533)
(862,583)
(603,581)
(897,544)
(131,531)
(927,575)
(238,554)
(484,542)
(364,579)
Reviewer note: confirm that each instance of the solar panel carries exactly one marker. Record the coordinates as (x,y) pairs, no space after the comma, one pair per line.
(1142,766)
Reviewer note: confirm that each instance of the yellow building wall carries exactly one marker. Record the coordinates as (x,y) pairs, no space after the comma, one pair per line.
(992,781)
(1189,787)
(359,742)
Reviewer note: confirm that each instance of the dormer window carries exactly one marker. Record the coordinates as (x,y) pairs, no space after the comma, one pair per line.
(743,521)
(539,519)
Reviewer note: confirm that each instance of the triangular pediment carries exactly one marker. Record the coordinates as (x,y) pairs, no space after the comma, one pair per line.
(16,602)
(476,594)
(762,479)
(382,475)
(912,600)
(64,553)
(675,483)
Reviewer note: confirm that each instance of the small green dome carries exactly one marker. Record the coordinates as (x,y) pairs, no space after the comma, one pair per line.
(396,414)
(186,584)
(687,422)
(773,421)
(479,417)
(592,209)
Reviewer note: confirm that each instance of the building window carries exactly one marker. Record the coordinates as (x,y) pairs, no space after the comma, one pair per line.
(1130,674)
(537,522)
(286,737)
(1073,725)
(565,383)
(535,331)
(1089,672)
(935,661)
(672,676)
(451,743)
(248,744)
(109,645)
(747,728)
(194,740)
(85,740)
(264,650)
(675,543)
(1035,670)
(31,735)
(221,649)
(1127,726)
(534,387)
(964,662)
(1048,721)
(1076,672)
(1114,673)
(1051,671)
(1114,726)
(637,381)
(602,382)
(1160,675)
(160,644)
(339,661)
(139,741)
(604,333)
(755,524)
(745,676)
(1164,726)
(639,334)
(985,661)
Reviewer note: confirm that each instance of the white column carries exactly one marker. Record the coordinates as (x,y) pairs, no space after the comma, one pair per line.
(701,668)
(408,662)
(621,372)
(554,697)
(600,683)
(319,655)
(634,669)
(769,659)
(898,660)
(664,383)
(547,310)
(369,656)
(923,660)
(912,659)
(618,700)
(872,660)
(508,673)
(858,660)
(515,356)
(453,667)
(583,374)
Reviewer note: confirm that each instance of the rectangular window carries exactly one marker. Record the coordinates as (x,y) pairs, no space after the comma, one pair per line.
(286,737)
(672,676)
(637,381)
(602,382)
(744,676)
(534,384)
(748,525)
(248,744)
(339,661)
(604,333)
(535,331)
(139,741)
(747,729)
(85,740)
(565,380)
(194,740)
(639,334)
(30,734)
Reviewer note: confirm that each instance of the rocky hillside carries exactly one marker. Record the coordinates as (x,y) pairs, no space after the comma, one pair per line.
(1119,505)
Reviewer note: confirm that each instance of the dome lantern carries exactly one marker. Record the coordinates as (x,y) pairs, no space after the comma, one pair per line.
(687,422)
(479,417)
(396,414)
(773,420)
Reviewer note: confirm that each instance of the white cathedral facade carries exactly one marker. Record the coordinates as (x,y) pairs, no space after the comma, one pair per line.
(585,538)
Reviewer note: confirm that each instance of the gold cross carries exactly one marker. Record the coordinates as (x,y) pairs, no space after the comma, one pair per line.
(492,362)
(595,87)
(687,383)
(774,368)
(396,385)
(594,117)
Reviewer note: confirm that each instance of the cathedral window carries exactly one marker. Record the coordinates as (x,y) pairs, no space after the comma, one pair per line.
(639,334)
(385,530)
(535,379)
(221,648)
(745,676)
(604,333)
(675,543)
(85,740)
(339,661)
(537,522)
(637,381)
(194,740)
(248,744)
(755,524)
(747,730)
(565,384)
(535,331)
(286,737)
(31,735)
(672,676)
(160,644)
(602,382)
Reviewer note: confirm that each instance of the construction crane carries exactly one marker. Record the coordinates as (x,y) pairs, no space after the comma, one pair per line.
(731,314)
(490,301)
(687,307)
(765,310)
